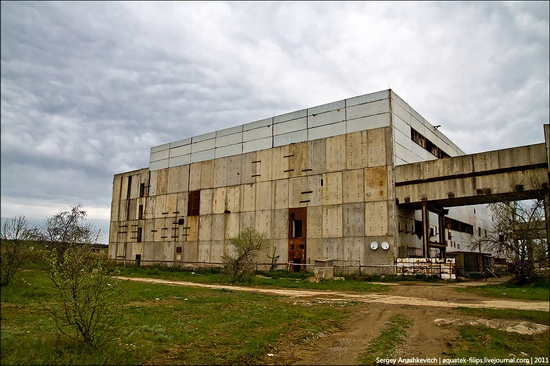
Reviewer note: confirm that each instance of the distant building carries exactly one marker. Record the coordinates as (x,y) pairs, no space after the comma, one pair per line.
(318,181)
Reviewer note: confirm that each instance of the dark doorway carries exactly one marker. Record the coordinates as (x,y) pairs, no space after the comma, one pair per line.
(297,229)
(138,259)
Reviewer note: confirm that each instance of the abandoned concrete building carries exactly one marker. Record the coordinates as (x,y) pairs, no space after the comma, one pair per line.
(321,182)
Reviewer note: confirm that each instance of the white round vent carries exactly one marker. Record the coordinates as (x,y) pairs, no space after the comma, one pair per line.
(374,245)
(385,245)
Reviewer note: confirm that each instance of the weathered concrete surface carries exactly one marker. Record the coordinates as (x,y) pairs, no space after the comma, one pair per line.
(509,174)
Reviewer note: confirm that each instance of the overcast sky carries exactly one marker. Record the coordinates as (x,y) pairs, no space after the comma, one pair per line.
(89,87)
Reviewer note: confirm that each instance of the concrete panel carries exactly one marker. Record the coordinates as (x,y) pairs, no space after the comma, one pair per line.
(234,170)
(179,143)
(356,150)
(157,165)
(158,148)
(376,218)
(378,256)
(205,225)
(204,252)
(218,200)
(485,161)
(249,168)
(368,109)
(233,225)
(377,147)
(353,186)
(202,155)
(249,197)
(263,222)
(233,199)
(335,153)
(203,145)
(195,176)
(192,228)
(264,195)
(404,140)
(326,131)
(258,133)
(354,219)
(298,159)
(171,205)
(248,219)
(314,249)
(290,116)
(207,174)
(296,195)
(216,251)
(281,164)
(218,226)
(181,204)
(264,165)
(384,94)
(326,118)
(326,107)
(162,181)
(333,248)
(280,194)
(180,150)
(332,221)
(220,172)
(332,188)
(314,186)
(402,112)
(314,222)
(178,179)
(190,251)
(229,131)
(229,140)
(148,234)
(354,250)
(281,249)
(256,145)
(280,224)
(368,123)
(225,151)
(160,155)
(204,137)
(316,156)
(150,207)
(401,125)
(160,206)
(261,123)
(179,160)
(290,138)
(290,126)
(376,184)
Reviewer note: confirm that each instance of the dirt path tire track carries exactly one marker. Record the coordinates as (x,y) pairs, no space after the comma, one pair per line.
(446,299)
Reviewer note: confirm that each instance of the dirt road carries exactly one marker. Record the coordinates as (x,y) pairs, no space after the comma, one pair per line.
(431,306)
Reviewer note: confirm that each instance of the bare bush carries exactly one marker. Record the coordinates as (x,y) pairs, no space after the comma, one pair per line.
(239,260)
(16,247)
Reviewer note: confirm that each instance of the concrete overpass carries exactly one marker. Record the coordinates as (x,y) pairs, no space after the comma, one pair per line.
(502,175)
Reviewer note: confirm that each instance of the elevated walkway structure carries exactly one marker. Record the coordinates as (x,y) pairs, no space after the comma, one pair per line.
(502,175)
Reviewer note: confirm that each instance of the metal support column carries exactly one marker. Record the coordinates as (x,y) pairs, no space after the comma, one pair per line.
(426,229)
(442,239)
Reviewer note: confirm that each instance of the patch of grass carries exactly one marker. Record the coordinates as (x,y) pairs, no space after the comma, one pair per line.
(509,291)
(166,325)
(276,279)
(483,342)
(384,345)
(540,317)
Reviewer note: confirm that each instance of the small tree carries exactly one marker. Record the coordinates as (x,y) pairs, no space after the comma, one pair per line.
(240,260)
(519,233)
(88,308)
(69,228)
(16,240)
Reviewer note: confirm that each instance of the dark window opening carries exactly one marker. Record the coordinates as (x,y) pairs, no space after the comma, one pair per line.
(427,144)
(178,250)
(140,212)
(460,226)
(297,228)
(194,203)
(139,233)
(142,190)
(129,187)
